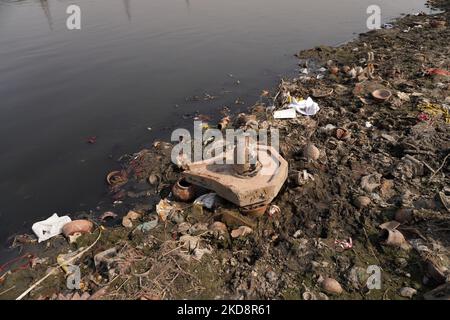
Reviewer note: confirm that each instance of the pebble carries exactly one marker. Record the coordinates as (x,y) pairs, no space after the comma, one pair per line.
(407,292)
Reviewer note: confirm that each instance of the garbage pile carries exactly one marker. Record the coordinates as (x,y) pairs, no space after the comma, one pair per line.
(360,208)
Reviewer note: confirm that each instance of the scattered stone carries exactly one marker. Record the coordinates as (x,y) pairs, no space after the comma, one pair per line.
(407,292)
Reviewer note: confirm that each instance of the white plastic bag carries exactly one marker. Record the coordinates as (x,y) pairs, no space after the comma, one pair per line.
(51,227)
(306,107)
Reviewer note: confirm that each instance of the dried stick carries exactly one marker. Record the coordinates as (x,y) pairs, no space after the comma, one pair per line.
(57,267)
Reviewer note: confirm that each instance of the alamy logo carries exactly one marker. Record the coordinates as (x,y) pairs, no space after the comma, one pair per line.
(230,146)
(73,22)
(374,280)
(73,280)
(374,20)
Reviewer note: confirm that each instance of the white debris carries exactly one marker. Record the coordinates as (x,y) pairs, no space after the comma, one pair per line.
(285,114)
(49,228)
(306,107)
(207,200)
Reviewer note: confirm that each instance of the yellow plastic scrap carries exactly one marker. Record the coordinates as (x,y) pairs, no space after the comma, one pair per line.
(435,110)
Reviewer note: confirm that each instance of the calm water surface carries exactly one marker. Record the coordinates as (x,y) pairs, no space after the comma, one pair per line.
(131,67)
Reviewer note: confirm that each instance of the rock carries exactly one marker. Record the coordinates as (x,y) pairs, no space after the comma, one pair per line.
(219,227)
(153,179)
(362,202)
(271,276)
(334,70)
(407,292)
(331,286)
(241,232)
(311,152)
(370,182)
(386,188)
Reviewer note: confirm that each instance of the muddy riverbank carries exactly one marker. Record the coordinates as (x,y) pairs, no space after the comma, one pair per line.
(378,160)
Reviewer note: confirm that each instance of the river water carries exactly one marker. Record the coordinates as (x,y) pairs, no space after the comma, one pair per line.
(131,67)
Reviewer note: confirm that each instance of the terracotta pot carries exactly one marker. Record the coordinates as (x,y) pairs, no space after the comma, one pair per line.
(183,190)
(381,95)
(392,238)
(116,178)
(77,226)
(342,134)
(438,23)
(254,210)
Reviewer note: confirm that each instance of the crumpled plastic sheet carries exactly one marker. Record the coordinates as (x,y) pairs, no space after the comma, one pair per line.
(50,227)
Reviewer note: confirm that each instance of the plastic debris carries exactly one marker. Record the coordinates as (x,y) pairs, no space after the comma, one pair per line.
(435,110)
(306,107)
(147,226)
(285,114)
(439,72)
(207,200)
(50,227)
(127,221)
(166,207)
(342,245)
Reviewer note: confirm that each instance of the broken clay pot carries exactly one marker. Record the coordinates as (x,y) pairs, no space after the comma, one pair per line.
(257,210)
(392,238)
(183,190)
(381,94)
(77,226)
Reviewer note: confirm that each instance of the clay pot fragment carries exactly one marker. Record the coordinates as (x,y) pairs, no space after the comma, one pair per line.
(274,210)
(311,152)
(242,231)
(183,190)
(334,70)
(254,210)
(77,226)
(107,215)
(116,178)
(362,202)
(330,285)
(438,23)
(381,95)
(342,134)
(393,238)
